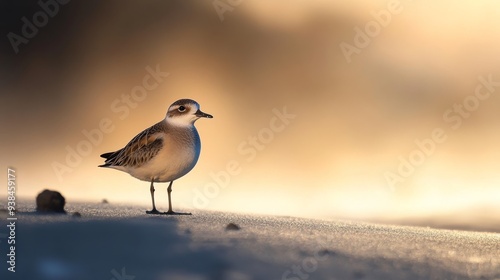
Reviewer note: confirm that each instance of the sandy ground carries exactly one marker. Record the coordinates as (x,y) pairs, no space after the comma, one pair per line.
(121,242)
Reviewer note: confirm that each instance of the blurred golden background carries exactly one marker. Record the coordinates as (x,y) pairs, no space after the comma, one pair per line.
(353,120)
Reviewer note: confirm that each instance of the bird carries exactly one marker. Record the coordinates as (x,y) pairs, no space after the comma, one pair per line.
(163,152)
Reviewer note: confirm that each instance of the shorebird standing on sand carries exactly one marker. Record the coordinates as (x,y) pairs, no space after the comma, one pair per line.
(164,152)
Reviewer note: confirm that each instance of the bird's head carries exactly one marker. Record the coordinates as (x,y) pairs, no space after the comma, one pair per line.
(185,112)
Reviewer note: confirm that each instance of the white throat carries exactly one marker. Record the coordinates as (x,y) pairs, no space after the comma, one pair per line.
(179,121)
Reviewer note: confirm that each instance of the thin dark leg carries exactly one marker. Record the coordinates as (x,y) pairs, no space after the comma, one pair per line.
(152,190)
(170,212)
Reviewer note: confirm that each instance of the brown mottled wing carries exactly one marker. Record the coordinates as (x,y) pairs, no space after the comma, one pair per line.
(139,150)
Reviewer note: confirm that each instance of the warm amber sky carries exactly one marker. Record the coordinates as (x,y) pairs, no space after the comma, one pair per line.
(354,122)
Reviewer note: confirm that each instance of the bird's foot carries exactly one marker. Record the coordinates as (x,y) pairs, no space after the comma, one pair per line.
(154,212)
(170,212)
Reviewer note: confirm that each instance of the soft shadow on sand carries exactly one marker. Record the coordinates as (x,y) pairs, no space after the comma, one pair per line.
(146,248)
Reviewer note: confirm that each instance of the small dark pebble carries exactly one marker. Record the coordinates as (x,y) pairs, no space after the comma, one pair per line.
(232,226)
(326,252)
(105,201)
(77,215)
(50,201)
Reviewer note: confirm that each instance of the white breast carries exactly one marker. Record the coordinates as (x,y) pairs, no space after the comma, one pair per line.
(173,161)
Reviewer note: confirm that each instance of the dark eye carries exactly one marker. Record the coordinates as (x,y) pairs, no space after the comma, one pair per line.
(182,109)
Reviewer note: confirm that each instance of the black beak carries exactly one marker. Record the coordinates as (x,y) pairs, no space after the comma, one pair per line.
(200,114)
